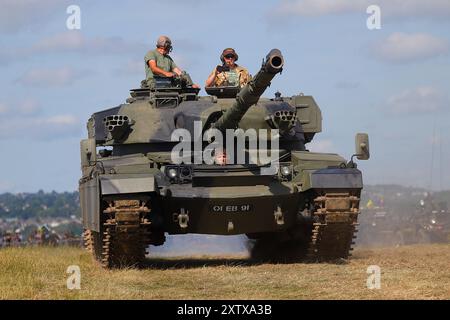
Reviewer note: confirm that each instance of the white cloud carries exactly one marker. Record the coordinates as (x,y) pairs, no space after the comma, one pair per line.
(17,15)
(40,128)
(402,48)
(23,120)
(326,146)
(42,77)
(389,8)
(72,42)
(75,41)
(419,100)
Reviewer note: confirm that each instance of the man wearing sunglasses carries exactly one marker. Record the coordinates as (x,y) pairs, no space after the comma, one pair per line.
(159,63)
(229,73)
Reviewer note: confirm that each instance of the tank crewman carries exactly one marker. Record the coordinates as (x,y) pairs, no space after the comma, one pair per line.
(229,73)
(159,63)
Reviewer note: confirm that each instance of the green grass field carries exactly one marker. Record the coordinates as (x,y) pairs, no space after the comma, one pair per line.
(411,272)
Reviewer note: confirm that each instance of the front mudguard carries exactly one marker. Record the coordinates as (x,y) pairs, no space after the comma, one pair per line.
(110,185)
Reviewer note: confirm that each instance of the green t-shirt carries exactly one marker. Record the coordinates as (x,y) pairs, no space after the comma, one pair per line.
(164,62)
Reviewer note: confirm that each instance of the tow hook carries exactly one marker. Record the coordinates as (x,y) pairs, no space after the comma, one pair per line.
(279,217)
(183,218)
(230,226)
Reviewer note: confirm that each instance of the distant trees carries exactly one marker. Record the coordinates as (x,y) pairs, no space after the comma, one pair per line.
(40,204)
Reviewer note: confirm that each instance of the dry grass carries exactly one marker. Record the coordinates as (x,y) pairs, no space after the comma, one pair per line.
(414,272)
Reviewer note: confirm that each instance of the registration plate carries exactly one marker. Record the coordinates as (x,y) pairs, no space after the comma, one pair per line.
(230,208)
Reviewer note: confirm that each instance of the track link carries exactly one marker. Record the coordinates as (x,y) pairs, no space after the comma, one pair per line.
(88,240)
(334,227)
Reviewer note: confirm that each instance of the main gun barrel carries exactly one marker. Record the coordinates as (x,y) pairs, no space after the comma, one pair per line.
(250,94)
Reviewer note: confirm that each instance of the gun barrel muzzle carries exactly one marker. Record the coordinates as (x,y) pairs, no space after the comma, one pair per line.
(274,61)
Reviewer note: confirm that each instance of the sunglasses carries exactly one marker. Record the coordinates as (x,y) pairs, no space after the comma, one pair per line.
(229,56)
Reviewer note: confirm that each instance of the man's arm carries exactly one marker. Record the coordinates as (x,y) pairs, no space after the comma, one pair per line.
(210,80)
(158,71)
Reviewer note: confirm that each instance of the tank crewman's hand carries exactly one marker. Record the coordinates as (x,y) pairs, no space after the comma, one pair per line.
(213,75)
(220,69)
(177,71)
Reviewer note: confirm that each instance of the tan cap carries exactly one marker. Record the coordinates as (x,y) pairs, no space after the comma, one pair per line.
(228,51)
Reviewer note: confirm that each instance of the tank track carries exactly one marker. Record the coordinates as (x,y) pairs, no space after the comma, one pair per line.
(335,226)
(125,235)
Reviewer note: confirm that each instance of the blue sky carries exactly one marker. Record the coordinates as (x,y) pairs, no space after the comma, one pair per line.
(392,83)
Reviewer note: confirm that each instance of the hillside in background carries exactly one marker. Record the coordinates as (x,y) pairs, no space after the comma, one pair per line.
(39,205)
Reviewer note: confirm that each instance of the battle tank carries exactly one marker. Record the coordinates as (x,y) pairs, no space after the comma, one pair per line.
(138,184)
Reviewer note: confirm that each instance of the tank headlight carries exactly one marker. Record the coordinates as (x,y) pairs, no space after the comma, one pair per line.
(178,174)
(185,172)
(172,173)
(285,171)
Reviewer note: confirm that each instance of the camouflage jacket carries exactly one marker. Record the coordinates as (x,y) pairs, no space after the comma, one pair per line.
(231,78)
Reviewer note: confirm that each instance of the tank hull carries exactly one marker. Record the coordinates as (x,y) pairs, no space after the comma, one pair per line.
(228,210)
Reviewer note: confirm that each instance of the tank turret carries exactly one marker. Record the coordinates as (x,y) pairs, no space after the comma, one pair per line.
(249,95)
